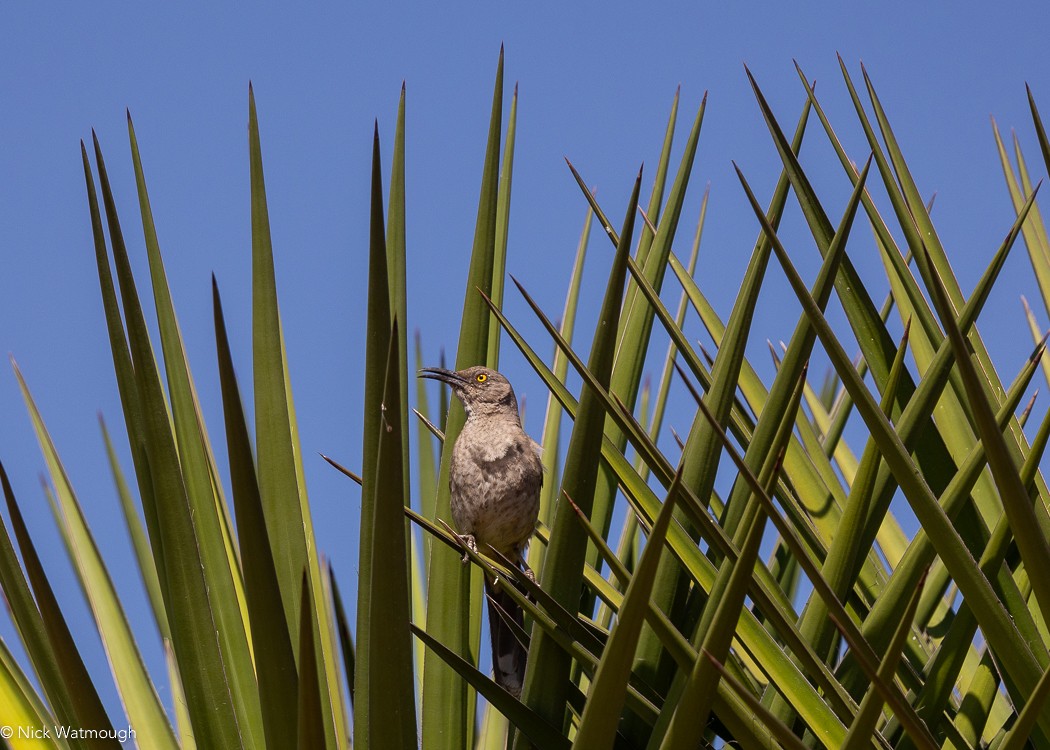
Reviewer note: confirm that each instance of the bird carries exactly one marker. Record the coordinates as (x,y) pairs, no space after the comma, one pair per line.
(495,476)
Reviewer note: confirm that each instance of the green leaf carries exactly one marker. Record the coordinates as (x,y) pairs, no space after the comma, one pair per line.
(140,699)
(876,345)
(275,665)
(397,276)
(215,714)
(378,342)
(44,633)
(552,423)
(849,376)
(844,559)
(864,725)
(931,451)
(130,399)
(452,595)
(427,469)
(1020,733)
(538,730)
(914,423)
(178,699)
(310,717)
(943,670)
(1034,231)
(207,507)
(661,397)
(281,481)
(777,728)
(699,567)
(1040,131)
(645,240)
(147,565)
(1002,634)
(546,689)
(701,448)
(799,645)
(606,695)
(396,260)
(499,257)
(1031,542)
(19,704)
(346,641)
(280,476)
(813,503)
(1037,335)
(924,242)
(798,353)
(391,699)
(634,334)
(722,610)
(636,321)
(953,425)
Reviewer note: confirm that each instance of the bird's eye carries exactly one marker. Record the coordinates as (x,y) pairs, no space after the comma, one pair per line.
(482,377)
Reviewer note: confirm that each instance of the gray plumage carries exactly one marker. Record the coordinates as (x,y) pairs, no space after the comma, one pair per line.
(495,477)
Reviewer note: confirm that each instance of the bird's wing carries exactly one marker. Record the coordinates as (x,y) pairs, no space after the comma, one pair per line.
(538,450)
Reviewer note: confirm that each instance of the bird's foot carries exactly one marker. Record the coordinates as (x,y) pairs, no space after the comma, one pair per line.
(469,541)
(532,577)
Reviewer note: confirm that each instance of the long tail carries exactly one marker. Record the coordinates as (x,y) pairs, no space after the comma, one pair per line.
(508,655)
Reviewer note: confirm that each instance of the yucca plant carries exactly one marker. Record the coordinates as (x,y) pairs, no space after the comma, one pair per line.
(744,584)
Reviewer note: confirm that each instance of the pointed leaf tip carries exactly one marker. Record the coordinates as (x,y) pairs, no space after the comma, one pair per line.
(1040,347)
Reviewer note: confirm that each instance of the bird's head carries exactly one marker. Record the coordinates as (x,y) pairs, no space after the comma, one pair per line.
(481,390)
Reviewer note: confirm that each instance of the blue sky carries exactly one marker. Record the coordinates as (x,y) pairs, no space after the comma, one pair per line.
(596,83)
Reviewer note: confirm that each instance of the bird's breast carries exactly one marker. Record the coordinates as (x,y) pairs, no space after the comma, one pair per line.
(495,481)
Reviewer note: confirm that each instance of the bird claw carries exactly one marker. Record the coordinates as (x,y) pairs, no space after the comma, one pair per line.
(469,543)
(532,577)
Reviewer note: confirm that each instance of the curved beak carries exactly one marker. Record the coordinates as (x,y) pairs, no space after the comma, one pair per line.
(445,376)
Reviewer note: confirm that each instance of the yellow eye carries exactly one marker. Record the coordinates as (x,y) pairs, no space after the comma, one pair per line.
(482,377)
